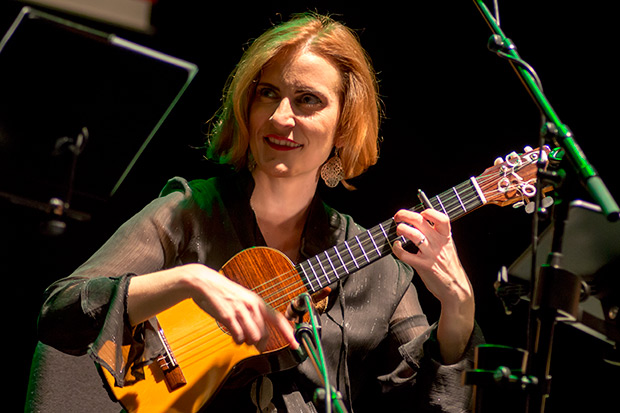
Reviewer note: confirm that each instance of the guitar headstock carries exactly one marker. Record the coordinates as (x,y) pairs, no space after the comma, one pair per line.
(513,179)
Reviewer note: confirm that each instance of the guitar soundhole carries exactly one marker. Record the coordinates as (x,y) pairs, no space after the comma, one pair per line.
(221,327)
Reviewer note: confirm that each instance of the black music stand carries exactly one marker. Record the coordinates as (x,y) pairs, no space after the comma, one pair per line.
(590,263)
(591,251)
(78,108)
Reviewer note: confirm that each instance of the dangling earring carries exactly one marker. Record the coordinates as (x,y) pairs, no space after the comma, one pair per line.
(251,162)
(332,171)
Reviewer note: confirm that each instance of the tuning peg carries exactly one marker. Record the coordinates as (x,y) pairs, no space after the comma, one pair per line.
(546,202)
(528,149)
(530,208)
(518,204)
(498,160)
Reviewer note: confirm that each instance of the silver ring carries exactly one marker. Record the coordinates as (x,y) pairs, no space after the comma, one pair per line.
(421,241)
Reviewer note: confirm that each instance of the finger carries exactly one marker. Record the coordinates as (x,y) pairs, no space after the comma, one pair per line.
(414,219)
(253,323)
(244,322)
(235,330)
(402,254)
(409,217)
(441,222)
(413,234)
(281,324)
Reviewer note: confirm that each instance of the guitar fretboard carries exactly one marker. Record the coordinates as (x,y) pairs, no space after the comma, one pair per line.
(353,254)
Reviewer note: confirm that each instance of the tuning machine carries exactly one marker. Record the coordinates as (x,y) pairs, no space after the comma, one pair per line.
(530,207)
(546,203)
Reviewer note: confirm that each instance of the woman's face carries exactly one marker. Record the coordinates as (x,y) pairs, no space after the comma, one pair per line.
(294,116)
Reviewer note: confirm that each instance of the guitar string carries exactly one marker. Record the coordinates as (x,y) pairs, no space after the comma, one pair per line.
(453,202)
(223,339)
(301,286)
(450,203)
(192,348)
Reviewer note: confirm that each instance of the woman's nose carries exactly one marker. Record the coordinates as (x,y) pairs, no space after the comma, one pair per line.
(283,115)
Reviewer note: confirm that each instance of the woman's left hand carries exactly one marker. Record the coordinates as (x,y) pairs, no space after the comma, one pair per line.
(439,267)
(436,262)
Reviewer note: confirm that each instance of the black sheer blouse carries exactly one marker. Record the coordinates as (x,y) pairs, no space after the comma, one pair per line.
(379,348)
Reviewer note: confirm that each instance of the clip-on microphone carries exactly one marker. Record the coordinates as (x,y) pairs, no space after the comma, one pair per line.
(308,335)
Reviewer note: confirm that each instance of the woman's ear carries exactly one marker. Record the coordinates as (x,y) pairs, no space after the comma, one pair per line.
(338,142)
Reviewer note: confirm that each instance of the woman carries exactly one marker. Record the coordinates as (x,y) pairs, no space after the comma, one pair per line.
(302,103)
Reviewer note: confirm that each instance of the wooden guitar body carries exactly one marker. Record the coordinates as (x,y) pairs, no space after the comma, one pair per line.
(206,354)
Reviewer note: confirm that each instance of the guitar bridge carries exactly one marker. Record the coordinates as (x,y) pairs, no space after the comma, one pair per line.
(173,375)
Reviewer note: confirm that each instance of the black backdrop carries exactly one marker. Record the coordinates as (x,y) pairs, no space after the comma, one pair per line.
(451,107)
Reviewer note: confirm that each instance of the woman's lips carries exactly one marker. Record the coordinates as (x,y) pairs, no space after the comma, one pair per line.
(281,144)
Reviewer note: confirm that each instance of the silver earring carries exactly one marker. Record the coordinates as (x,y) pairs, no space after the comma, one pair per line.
(332,171)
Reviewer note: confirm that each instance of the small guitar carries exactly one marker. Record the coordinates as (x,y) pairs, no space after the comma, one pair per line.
(200,356)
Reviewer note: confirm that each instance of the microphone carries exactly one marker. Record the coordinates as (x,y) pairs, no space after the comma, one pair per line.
(295,312)
(296,309)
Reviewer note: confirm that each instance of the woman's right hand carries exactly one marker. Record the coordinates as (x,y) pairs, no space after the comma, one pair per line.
(242,312)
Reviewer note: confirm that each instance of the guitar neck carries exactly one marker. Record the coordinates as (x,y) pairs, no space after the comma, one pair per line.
(353,254)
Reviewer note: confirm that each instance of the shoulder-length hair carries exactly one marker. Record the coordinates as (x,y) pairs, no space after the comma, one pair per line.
(358,129)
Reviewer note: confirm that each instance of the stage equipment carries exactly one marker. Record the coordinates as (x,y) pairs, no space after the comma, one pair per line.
(590,251)
(308,334)
(128,14)
(556,288)
(79,106)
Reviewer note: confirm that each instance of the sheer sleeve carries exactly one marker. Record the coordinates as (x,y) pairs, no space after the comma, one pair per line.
(89,306)
(408,321)
(421,380)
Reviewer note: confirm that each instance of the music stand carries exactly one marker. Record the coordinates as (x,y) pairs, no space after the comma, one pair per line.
(591,255)
(591,250)
(78,108)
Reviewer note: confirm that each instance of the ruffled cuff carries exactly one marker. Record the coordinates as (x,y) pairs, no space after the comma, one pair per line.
(121,348)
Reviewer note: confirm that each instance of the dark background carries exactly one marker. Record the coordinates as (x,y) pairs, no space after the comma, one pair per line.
(451,108)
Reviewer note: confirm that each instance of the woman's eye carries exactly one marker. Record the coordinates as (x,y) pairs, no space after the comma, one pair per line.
(266,92)
(309,99)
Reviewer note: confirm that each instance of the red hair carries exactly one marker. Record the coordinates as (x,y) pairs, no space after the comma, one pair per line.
(358,129)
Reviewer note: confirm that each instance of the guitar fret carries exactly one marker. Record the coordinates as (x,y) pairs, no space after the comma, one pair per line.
(315,274)
(384,233)
(309,283)
(346,244)
(362,248)
(332,265)
(373,243)
(441,205)
(323,269)
(459,198)
(340,258)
